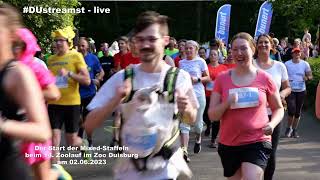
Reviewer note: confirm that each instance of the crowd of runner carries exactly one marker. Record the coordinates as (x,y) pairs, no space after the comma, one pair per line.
(157,89)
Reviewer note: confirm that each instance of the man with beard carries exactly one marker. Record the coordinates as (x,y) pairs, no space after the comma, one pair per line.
(150,36)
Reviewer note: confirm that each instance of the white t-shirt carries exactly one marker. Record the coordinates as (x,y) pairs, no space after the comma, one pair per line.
(278,73)
(195,68)
(141,80)
(40,62)
(296,73)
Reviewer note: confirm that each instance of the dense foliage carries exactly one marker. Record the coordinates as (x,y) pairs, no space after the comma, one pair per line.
(188,19)
(312,85)
(43,24)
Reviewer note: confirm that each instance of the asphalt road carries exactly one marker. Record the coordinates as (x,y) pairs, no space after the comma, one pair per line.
(298,159)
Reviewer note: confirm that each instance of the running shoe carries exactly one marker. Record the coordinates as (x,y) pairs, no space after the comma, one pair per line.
(213,144)
(288,132)
(207,132)
(186,155)
(63,174)
(295,134)
(86,154)
(197,148)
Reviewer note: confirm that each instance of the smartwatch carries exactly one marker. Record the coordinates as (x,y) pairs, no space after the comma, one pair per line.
(70,74)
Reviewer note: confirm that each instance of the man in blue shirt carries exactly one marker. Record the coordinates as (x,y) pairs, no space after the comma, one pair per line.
(96,75)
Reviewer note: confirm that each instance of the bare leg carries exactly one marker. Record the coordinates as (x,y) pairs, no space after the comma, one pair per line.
(251,171)
(184,140)
(290,121)
(56,139)
(236,176)
(73,139)
(295,123)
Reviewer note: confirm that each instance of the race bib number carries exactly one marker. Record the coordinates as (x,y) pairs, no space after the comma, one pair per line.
(210,86)
(247,97)
(297,85)
(62,81)
(142,145)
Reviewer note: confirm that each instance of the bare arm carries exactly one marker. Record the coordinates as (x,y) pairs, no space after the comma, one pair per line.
(28,95)
(204,79)
(286,89)
(96,117)
(51,93)
(100,75)
(169,61)
(99,78)
(217,108)
(186,109)
(82,76)
(308,76)
(277,111)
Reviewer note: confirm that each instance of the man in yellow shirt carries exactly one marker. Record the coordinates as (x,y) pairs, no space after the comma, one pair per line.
(70,70)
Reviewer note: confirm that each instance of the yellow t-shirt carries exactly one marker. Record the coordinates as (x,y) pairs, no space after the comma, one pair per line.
(69,88)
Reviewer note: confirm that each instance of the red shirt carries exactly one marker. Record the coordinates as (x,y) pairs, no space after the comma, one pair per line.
(125,60)
(213,73)
(244,125)
(176,61)
(118,58)
(230,66)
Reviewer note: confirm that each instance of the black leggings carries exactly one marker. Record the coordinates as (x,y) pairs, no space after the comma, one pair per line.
(271,166)
(295,102)
(84,112)
(214,125)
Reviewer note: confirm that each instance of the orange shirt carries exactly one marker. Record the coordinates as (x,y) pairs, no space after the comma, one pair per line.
(213,73)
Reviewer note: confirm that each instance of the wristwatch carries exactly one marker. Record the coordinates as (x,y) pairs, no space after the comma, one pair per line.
(199,80)
(70,74)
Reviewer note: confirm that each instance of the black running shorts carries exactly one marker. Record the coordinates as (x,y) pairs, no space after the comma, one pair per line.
(232,156)
(67,115)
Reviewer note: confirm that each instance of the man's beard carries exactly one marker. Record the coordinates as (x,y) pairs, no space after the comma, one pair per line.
(149,57)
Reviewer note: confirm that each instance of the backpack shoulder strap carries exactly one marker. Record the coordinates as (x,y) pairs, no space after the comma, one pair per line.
(164,57)
(170,83)
(129,73)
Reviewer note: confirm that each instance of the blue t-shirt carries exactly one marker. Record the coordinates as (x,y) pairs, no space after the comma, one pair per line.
(94,67)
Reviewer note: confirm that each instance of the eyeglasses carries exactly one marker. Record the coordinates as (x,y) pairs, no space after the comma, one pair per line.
(17,48)
(242,49)
(60,40)
(140,40)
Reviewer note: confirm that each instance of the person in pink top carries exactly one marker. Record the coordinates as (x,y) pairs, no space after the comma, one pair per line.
(239,100)
(24,50)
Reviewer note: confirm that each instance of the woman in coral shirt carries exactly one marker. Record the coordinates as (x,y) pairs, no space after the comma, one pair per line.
(239,100)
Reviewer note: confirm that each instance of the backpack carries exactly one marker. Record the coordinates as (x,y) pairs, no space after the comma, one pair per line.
(149,125)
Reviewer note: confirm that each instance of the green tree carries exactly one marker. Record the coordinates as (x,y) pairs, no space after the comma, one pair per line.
(43,24)
(296,16)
